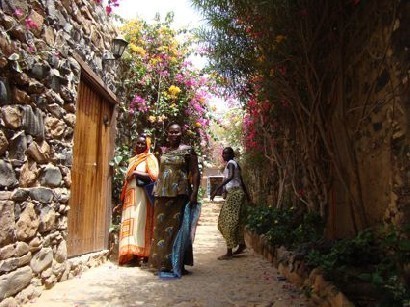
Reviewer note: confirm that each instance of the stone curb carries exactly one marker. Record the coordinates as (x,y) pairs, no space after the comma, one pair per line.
(293,268)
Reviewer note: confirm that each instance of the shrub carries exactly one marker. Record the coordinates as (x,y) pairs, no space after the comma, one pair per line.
(287,227)
(374,256)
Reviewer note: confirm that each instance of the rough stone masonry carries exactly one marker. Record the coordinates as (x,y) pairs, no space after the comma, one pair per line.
(39,79)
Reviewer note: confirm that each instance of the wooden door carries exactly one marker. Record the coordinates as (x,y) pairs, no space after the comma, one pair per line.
(90,196)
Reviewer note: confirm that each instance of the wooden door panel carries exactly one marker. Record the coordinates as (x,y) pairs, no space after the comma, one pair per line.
(87,222)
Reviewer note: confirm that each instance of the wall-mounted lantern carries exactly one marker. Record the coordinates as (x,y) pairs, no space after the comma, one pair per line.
(118,46)
(117,49)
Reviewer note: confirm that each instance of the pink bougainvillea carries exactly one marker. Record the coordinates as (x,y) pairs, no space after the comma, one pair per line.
(163,85)
(18,12)
(256,118)
(30,24)
(139,104)
(110,5)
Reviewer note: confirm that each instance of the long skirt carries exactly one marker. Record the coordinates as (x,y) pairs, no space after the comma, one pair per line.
(136,225)
(231,218)
(168,216)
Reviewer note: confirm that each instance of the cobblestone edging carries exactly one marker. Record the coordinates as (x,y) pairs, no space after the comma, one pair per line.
(72,268)
(292,267)
(80,264)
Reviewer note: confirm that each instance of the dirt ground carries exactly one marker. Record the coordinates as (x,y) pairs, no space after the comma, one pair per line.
(246,280)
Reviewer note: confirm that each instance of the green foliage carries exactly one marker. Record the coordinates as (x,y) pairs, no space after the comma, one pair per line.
(231,52)
(286,227)
(229,128)
(310,229)
(260,219)
(255,160)
(374,257)
(119,165)
(357,252)
(201,193)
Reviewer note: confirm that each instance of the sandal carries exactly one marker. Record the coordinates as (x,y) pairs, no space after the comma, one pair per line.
(225,257)
(240,250)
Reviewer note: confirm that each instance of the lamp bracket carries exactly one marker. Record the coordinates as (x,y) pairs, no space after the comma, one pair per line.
(107,56)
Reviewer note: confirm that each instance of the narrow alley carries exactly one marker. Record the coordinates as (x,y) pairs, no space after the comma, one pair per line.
(247,280)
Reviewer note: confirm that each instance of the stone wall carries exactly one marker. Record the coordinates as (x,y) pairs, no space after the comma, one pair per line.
(371,133)
(39,79)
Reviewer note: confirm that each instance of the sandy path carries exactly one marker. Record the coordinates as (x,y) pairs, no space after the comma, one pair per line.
(248,280)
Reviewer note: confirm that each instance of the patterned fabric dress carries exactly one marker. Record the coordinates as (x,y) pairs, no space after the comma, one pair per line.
(172,192)
(137,212)
(231,216)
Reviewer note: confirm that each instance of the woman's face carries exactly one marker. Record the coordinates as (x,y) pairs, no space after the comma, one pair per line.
(140,145)
(174,134)
(226,155)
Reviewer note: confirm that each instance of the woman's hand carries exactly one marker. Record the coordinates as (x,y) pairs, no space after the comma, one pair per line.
(117,208)
(214,193)
(141,175)
(193,200)
(137,175)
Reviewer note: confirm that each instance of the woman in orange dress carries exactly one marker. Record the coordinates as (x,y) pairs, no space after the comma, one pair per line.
(137,209)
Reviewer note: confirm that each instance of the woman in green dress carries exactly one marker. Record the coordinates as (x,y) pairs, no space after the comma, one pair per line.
(176,188)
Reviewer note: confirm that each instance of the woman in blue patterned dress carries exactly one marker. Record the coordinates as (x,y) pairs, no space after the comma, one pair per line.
(176,187)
